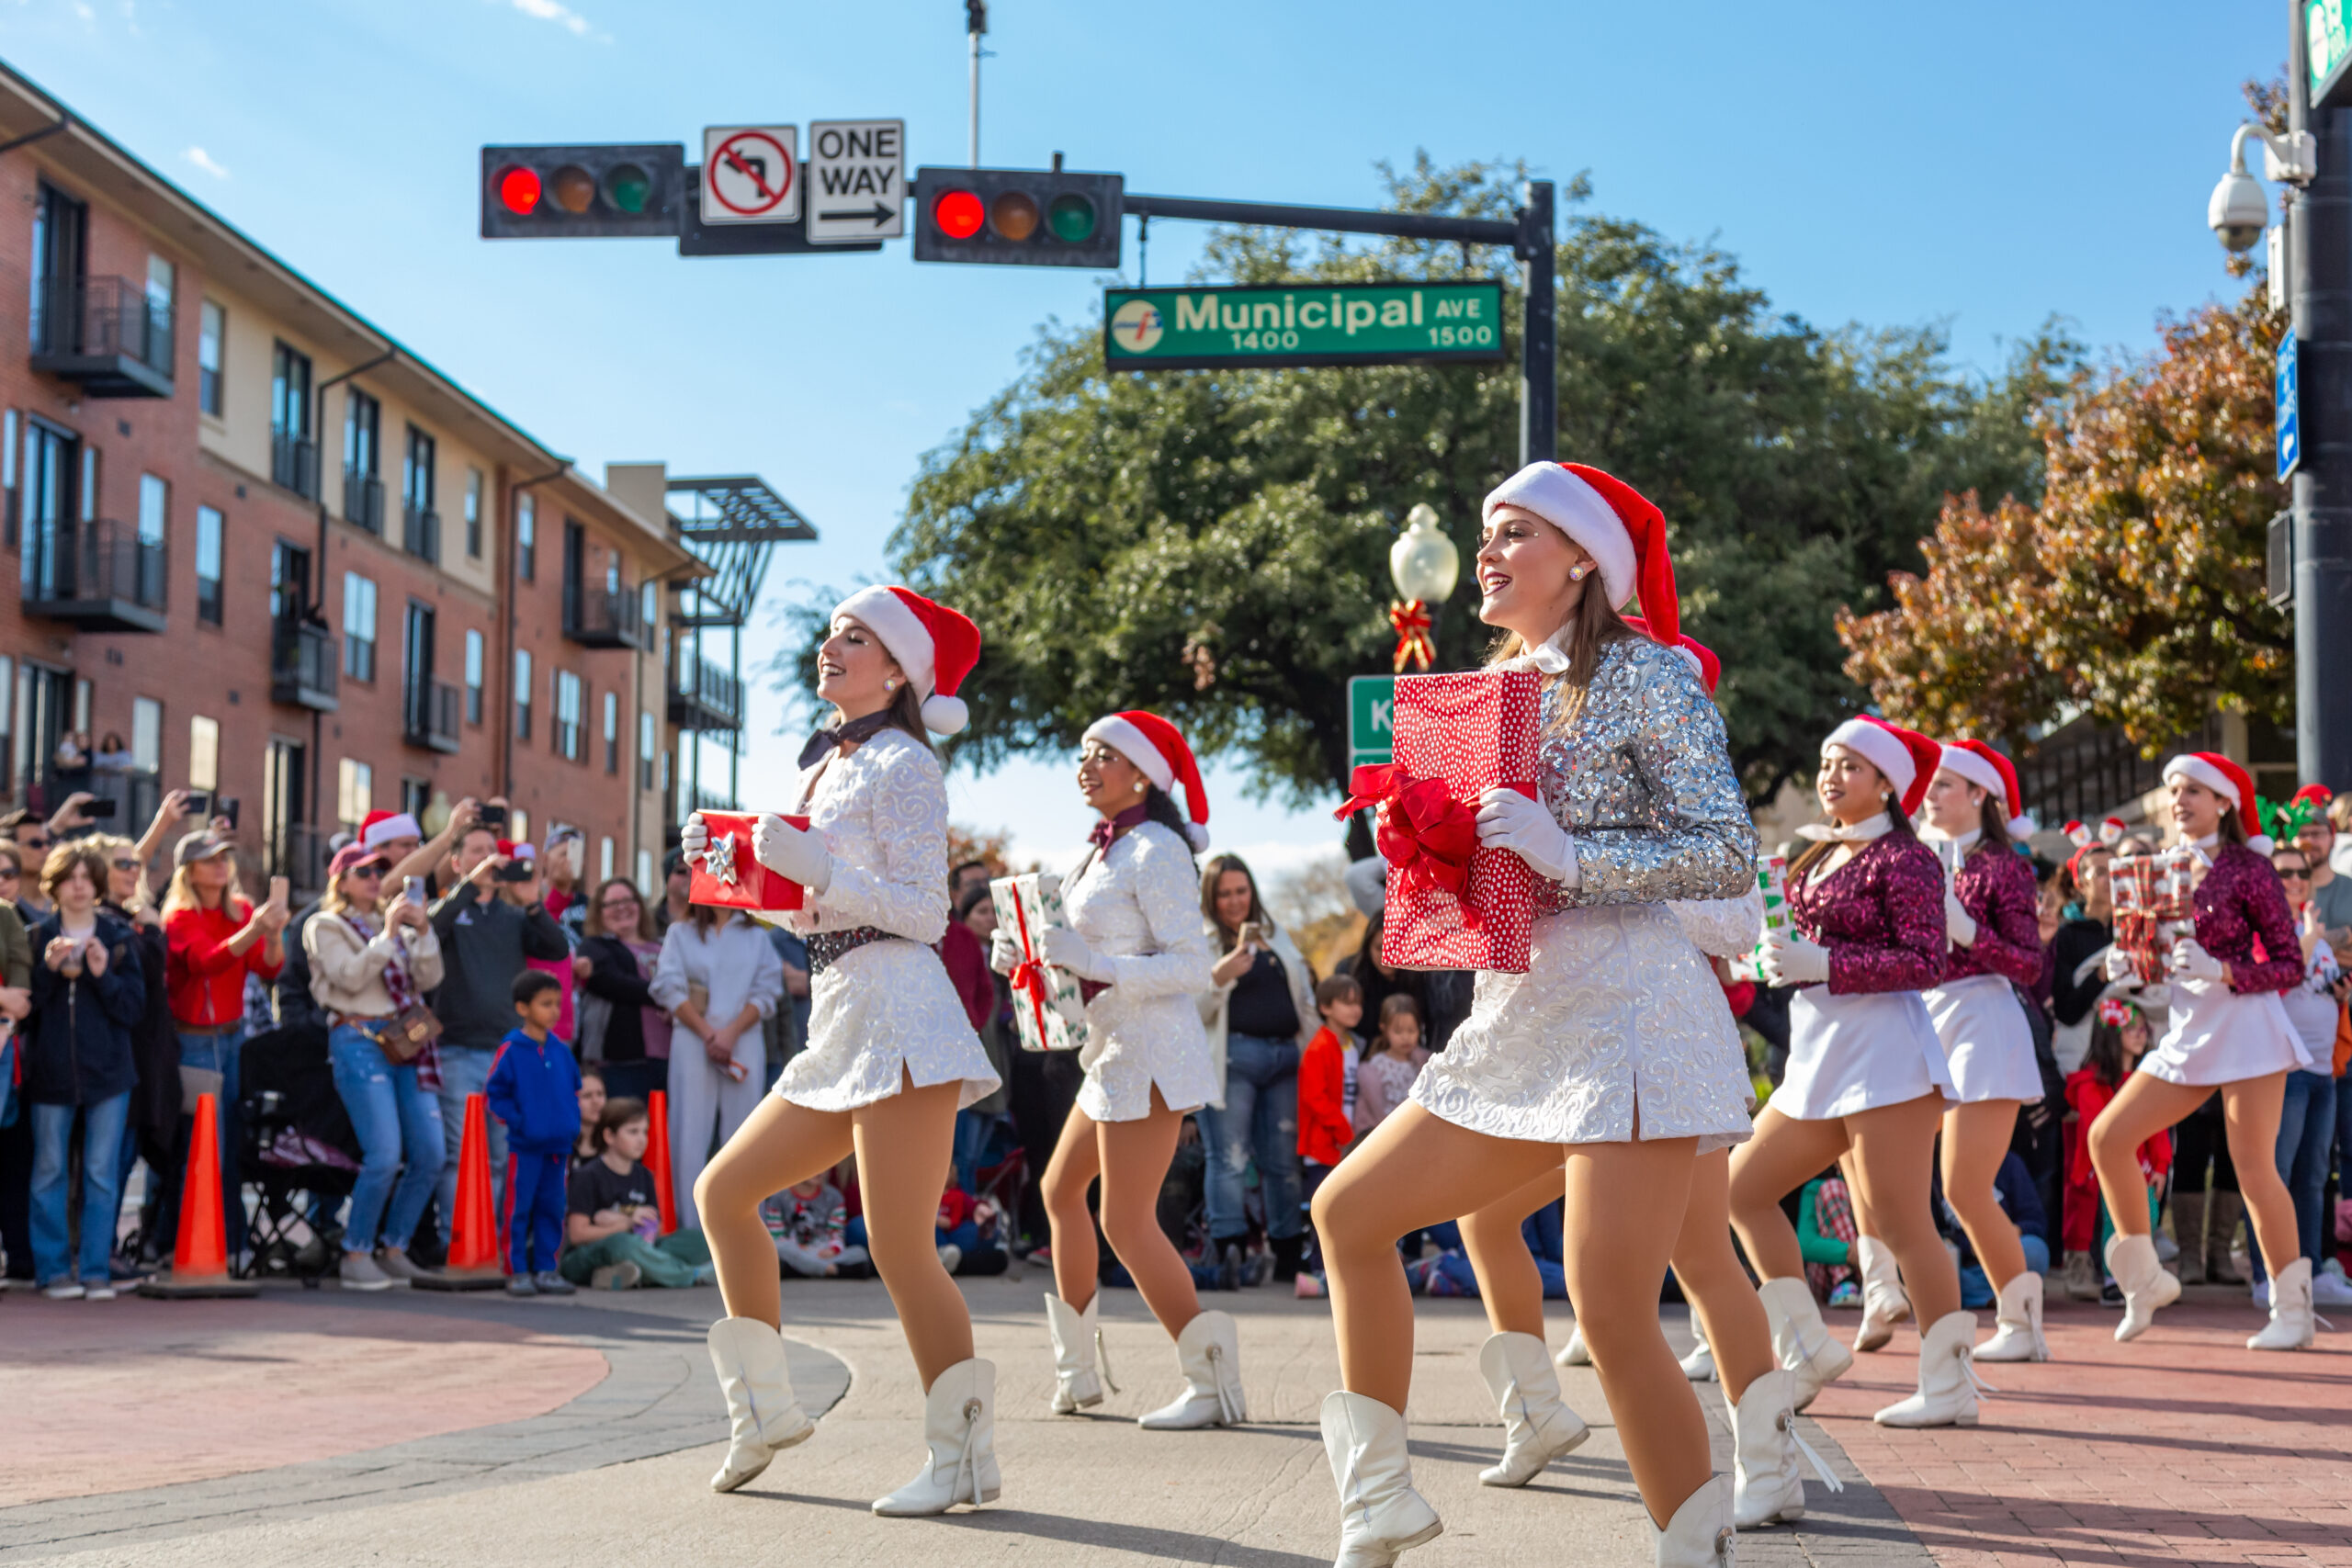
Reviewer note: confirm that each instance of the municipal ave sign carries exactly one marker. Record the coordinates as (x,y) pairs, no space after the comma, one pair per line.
(1366,324)
(1371,699)
(2291,445)
(2327,43)
(856,176)
(750,174)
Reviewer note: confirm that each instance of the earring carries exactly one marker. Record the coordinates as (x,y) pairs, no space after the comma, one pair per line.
(1577,574)
(1141,785)
(889,682)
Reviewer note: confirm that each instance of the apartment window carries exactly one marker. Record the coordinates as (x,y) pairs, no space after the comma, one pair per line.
(645,874)
(155,510)
(473,677)
(208,564)
(415,796)
(362,489)
(648,607)
(423,522)
(211,329)
(162,284)
(645,746)
(60,228)
(358,626)
(146,734)
(473,514)
(567,697)
(519,821)
(290,580)
(203,753)
(8,476)
(521,694)
(605,860)
(612,732)
(526,539)
(293,444)
(355,792)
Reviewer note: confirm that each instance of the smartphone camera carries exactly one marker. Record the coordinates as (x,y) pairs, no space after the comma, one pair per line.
(490,817)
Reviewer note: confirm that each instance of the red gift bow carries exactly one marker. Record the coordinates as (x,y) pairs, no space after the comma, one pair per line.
(1411,620)
(1028,976)
(1421,829)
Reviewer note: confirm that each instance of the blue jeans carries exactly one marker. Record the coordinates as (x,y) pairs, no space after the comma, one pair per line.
(101,1186)
(1260,1117)
(218,1052)
(465,1069)
(2306,1127)
(399,1125)
(1976,1290)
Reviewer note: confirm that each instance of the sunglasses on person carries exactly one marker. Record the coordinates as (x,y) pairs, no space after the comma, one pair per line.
(2300,873)
(372,872)
(9,873)
(625,901)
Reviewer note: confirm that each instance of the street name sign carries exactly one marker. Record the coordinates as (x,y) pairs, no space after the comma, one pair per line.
(2289,400)
(1303,324)
(750,174)
(2327,44)
(856,180)
(1372,702)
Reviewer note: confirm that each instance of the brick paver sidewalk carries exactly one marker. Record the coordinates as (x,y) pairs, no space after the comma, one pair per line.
(2182,1446)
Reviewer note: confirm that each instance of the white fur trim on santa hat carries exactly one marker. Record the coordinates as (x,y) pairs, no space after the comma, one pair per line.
(2190,766)
(1129,742)
(1577,510)
(399,825)
(1976,771)
(1882,748)
(903,633)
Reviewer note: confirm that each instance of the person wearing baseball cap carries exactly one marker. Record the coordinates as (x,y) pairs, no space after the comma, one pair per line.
(2229,1031)
(891,1055)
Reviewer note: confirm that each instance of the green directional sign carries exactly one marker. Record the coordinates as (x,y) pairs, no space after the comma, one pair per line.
(1372,699)
(2327,41)
(1360,323)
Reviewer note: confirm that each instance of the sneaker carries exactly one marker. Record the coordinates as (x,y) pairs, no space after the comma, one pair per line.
(64,1291)
(547,1282)
(1261,1268)
(705,1274)
(360,1273)
(2261,1289)
(950,1256)
(1228,1267)
(1308,1287)
(1442,1284)
(621,1276)
(99,1290)
(1846,1294)
(2329,1285)
(520,1285)
(396,1266)
(2168,1249)
(2110,1293)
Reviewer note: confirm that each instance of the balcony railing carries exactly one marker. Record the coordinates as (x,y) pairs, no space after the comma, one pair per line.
(105,334)
(294,462)
(363,500)
(600,618)
(707,799)
(431,710)
(100,576)
(704,696)
(420,531)
(304,669)
(297,852)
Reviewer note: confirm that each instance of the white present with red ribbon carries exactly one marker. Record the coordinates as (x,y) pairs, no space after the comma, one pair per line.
(1048,1002)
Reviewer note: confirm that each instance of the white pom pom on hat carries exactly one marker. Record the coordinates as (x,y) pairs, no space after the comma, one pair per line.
(934,645)
(1159,749)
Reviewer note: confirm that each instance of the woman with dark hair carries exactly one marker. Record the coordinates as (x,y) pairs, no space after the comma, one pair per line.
(621,957)
(1134,940)
(1867,1075)
(1259,1012)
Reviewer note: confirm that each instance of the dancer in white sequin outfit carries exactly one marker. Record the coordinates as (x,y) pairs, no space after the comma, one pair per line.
(1614,1050)
(1134,911)
(891,1055)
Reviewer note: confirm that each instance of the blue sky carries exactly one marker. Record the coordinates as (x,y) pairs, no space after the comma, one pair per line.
(1983,167)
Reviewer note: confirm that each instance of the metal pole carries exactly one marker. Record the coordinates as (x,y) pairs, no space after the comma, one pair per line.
(1539,351)
(2319,248)
(975,22)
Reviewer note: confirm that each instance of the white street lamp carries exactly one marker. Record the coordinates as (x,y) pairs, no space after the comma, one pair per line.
(1424,564)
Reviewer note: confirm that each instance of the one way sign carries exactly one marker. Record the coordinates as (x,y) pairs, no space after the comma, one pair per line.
(855,179)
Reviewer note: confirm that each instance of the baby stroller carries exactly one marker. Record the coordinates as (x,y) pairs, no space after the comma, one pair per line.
(300,1155)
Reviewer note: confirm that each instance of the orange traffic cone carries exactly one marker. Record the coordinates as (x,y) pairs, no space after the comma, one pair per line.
(476,1261)
(657,1157)
(200,1254)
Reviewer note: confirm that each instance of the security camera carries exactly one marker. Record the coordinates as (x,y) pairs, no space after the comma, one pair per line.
(2238,212)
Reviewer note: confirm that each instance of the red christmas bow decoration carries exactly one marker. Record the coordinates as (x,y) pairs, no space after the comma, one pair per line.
(1411,619)
(1028,978)
(1420,828)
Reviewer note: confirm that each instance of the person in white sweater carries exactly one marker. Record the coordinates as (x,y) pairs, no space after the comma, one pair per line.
(718,977)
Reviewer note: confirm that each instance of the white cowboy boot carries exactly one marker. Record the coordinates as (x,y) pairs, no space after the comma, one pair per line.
(1573,1353)
(1766,1483)
(762,1413)
(1801,1341)
(1077,1383)
(2292,1321)
(1380,1513)
(1698,1366)
(1700,1535)
(1209,1355)
(1947,1395)
(2017,1324)
(1885,1305)
(959,1428)
(2132,1259)
(1538,1425)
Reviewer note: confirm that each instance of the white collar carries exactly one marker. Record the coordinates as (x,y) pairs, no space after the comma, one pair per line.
(1547,657)
(1859,832)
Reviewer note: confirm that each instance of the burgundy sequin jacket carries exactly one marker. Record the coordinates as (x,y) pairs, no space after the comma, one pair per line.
(2239,900)
(1881,915)
(1996,887)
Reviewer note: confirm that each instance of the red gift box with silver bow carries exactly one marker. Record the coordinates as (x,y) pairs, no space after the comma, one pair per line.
(1451,905)
(729,876)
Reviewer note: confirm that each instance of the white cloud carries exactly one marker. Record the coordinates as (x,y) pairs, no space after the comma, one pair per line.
(554,11)
(202,160)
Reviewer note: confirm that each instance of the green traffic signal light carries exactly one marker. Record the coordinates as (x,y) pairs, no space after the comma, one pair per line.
(627,187)
(1071,218)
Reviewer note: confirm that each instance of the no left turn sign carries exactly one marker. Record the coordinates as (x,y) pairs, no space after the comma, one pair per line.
(751,175)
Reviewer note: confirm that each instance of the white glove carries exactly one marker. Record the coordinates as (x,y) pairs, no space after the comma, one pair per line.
(1004,952)
(695,841)
(1789,960)
(1959,924)
(2191,961)
(791,853)
(1065,949)
(2117,965)
(1509,820)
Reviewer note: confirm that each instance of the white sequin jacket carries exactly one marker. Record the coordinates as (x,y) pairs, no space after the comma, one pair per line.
(1138,907)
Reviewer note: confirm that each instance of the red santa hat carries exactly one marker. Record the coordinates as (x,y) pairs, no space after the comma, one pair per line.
(1991,772)
(1157,748)
(1907,758)
(2229,781)
(1619,527)
(934,645)
(1702,658)
(380,828)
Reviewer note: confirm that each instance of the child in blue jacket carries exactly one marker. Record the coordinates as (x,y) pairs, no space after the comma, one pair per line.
(534,1089)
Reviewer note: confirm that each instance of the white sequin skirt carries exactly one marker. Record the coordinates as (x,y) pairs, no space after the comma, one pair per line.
(882,1015)
(1617,1011)
(1858,1053)
(1988,1042)
(2219,1036)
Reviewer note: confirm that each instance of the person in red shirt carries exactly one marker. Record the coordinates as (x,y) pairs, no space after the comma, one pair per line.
(1326,1102)
(214,938)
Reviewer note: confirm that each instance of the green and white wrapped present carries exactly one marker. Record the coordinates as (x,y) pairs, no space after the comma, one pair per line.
(1047,1001)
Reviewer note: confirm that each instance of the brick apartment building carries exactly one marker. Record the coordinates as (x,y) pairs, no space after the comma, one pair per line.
(280,556)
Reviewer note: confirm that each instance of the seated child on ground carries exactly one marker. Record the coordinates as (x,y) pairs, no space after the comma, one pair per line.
(807,1222)
(613,1222)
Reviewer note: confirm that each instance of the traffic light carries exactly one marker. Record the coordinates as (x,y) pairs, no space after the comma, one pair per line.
(602,190)
(1017,217)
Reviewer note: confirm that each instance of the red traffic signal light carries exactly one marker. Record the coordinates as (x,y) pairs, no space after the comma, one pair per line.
(1021,217)
(958,214)
(518,188)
